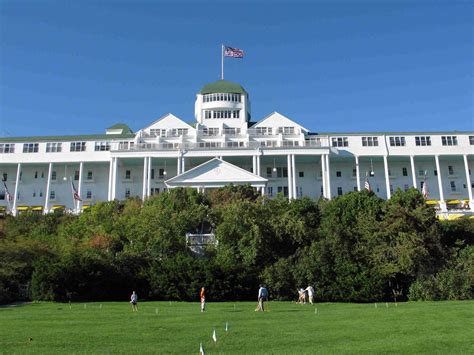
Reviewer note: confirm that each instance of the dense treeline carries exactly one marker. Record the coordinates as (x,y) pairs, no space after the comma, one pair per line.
(356,247)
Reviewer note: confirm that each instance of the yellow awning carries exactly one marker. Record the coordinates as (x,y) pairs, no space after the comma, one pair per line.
(453,202)
(3,208)
(23,208)
(452,217)
(432,202)
(58,207)
(85,207)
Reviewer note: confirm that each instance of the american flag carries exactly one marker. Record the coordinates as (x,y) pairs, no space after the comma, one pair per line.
(367,183)
(75,194)
(424,189)
(233,52)
(8,195)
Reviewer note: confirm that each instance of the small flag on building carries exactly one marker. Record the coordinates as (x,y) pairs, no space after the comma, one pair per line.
(75,194)
(424,189)
(8,195)
(201,349)
(214,336)
(233,52)
(367,183)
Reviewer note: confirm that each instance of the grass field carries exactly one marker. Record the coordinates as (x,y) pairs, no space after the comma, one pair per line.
(286,328)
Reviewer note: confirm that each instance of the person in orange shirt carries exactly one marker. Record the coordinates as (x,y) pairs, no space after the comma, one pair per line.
(203,300)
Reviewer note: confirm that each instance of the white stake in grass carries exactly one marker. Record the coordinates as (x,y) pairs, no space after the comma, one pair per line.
(386,305)
(100,306)
(226,326)
(375,305)
(214,336)
(201,349)
(85,306)
(156,310)
(315,311)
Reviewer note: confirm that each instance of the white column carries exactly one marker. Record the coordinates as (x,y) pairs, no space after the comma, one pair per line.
(114,178)
(468,183)
(328,181)
(357,172)
(148,183)
(442,203)
(257,163)
(263,191)
(387,178)
(324,176)
(182,165)
(145,172)
(178,164)
(254,164)
(48,185)
(413,172)
(15,196)
(111,172)
(293,175)
(79,187)
(290,189)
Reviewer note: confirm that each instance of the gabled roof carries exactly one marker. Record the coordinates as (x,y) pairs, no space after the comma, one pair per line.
(224,87)
(170,117)
(215,173)
(278,117)
(121,126)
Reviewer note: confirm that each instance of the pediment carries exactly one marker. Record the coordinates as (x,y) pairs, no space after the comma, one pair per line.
(214,173)
(276,119)
(168,121)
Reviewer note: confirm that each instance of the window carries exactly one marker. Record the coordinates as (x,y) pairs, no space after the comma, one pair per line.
(128,174)
(264,131)
(355,188)
(404,172)
(76,175)
(286,130)
(288,143)
(301,174)
(354,172)
(152,174)
(338,174)
(161,173)
(5,177)
(471,140)
(397,141)
(282,172)
(223,113)
(53,175)
(89,175)
(450,170)
(53,147)
(235,144)
(77,146)
(36,174)
(236,114)
(339,191)
(283,189)
(391,188)
(232,131)
(269,143)
(370,142)
(339,142)
(299,191)
(154,132)
(126,145)
(7,148)
(269,172)
(423,140)
(405,187)
(30,147)
(102,146)
(52,195)
(435,172)
(270,191)
(89,194)
(127,192)
(177,132)
(210,131)
(453,186)
(449,140)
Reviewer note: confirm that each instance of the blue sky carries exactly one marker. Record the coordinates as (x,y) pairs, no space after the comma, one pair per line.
(78,67)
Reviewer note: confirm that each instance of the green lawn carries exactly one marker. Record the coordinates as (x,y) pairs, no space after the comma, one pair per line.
(286,328)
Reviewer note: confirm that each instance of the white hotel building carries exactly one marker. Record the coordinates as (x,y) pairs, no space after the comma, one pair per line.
(274,154)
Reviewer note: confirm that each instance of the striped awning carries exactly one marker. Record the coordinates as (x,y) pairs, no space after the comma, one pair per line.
(432,202)
(36,208)
(453,202)
(23,208)
(58,207)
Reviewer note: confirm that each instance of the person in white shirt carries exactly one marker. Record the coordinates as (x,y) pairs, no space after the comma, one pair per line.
(310,291)
(262,297)
(134,301)
(301,296)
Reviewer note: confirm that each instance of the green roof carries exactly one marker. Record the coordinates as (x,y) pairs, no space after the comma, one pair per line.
(222,86)
(125,129)
(83,137)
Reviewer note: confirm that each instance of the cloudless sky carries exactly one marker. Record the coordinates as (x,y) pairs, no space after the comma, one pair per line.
(77,67)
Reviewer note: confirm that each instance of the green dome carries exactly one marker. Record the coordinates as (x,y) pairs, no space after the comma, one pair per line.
(224,87)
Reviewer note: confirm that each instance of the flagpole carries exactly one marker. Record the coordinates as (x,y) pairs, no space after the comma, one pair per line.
(222,62)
